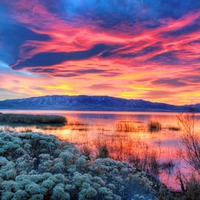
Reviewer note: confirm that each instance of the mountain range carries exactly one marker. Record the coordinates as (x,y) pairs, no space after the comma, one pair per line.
(91,103)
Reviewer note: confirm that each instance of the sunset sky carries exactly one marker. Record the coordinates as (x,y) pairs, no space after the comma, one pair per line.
(134,49)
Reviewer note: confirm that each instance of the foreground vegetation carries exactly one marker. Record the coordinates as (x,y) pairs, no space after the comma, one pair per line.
(32,119)
(37,166)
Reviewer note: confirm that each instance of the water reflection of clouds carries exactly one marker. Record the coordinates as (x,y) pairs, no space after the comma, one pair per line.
(167,143)
(98,116)
(113,116)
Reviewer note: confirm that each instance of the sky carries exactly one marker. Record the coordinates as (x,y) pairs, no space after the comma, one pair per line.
(133,49)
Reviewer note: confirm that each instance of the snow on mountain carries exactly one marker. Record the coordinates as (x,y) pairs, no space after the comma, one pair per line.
(83,102)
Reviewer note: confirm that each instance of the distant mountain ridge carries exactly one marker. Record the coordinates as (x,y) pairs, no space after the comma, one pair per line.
(90,103)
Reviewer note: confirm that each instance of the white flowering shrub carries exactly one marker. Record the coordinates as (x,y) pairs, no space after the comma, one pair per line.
(87,193)
(20,194)
(67,157)
(37,166)
(59,193)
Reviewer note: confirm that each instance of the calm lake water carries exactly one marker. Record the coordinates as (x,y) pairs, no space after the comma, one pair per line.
(125,134)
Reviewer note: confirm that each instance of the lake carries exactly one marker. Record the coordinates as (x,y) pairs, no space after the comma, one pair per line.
(126,135)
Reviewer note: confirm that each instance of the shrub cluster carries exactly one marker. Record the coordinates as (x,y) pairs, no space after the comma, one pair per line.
(37,166)
(31,119)
(154,126)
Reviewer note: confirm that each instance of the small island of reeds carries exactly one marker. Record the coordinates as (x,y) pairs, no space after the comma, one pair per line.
(32,119)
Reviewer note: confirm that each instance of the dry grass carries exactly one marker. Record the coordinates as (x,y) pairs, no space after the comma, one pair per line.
(125,126)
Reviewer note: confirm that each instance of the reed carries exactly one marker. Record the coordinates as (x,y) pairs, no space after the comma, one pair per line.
(125,126)
(32,119)
(174,128)
(154,126)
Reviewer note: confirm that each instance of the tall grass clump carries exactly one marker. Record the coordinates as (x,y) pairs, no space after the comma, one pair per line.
(148,162)
(125,126)
(32,119)
(103,152)
(154,126)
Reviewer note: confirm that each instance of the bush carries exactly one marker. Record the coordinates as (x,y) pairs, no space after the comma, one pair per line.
(64,175)
(103,152)
(154,126)
(125,126)
(190,139)
(191,154)
(193,190)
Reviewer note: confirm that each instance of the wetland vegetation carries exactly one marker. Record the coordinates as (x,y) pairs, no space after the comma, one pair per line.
(128,140)
(31,119)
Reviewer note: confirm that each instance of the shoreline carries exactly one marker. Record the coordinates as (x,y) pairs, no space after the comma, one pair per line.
(101,111)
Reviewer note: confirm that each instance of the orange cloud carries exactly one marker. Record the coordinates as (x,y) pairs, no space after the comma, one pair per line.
(81,57)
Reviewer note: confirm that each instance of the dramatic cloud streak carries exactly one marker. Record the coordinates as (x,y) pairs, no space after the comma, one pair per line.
(125,48)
